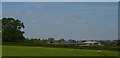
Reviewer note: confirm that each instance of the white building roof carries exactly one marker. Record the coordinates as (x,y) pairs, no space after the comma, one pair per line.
(90,42)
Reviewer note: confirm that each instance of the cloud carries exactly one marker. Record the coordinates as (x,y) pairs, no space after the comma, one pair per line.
(18,12)
(33,20)
(38,7)
(27,12)
(60,21)
(112,25)
(108,8)
(82,21)
(69,20)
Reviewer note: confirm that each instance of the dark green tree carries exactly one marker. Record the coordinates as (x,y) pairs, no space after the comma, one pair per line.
(61,40)
(51,39)
(72,41)
(11,30)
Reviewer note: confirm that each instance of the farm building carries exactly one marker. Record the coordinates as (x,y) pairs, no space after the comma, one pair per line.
(80,43)
(91,43)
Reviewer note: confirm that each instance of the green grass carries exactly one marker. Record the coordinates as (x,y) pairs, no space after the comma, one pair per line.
(45,51)
(0,50)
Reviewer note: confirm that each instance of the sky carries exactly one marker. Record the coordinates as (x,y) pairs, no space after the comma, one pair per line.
(60,0)
(0,10)
(68,20)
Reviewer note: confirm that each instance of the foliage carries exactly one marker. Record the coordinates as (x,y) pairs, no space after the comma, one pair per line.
(51,40)
(113,48)
(11,30)
(61,40)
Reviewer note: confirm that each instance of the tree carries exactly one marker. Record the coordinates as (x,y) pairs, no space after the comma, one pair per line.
(43,41)
(11,30)
(115,42)
(51,40)
(72,41)
(61,40)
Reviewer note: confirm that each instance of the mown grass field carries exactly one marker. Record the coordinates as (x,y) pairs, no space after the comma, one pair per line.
(45,51)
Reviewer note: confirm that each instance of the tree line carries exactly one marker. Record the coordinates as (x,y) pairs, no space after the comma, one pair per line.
(11,32)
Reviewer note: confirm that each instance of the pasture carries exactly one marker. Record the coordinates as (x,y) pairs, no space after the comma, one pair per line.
(46,51)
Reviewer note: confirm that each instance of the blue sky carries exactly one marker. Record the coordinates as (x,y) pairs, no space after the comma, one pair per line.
(60,0)
(77,21)
(0,10)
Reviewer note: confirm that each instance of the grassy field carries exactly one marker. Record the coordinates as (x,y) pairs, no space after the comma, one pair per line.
(45,51)
(0,50)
